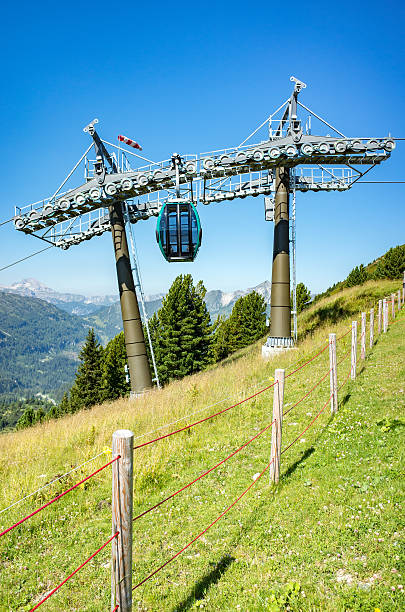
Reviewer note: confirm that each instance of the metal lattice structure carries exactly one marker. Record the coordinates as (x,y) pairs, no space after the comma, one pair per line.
(288,159)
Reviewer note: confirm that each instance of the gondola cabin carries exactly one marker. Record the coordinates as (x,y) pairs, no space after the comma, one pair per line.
(178,230)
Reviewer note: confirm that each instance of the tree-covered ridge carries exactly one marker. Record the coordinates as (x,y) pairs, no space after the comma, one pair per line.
(390,266)
(38,346)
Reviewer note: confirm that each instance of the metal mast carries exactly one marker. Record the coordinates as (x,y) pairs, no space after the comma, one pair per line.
(138,364)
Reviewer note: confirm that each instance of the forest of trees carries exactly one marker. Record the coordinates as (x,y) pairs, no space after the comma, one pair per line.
(185,341)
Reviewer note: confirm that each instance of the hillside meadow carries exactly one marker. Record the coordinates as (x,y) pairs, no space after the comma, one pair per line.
(327,538)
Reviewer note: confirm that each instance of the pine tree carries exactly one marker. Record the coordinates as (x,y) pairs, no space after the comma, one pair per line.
(246,324)
(114,384)
(303,297)
(221,340)
(27,419)
(357,276)
(181,331)
(87,390)
(54,412)
(392,265)
(64,406)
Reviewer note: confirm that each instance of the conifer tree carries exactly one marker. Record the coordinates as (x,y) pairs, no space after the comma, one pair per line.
(87,389)
(246,324)
(181,331)
(357,276)
(64,406)
(114,384)
(247,321)
(303,297)
(392,265)
(27,418)
(54,412)
(221,341)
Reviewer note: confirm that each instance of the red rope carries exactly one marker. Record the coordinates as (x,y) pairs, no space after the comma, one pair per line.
(309,392)
(116,608)
(345,380)
(344,356)
(58,497)
(309,361)
(204,474)
(348,332)
(203,420)
(73,573)
(308,426)
(205,530)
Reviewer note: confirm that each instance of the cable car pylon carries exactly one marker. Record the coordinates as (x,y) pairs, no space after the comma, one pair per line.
(138,364)
(290,158)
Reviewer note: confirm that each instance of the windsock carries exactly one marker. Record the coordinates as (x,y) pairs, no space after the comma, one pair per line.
(129,142)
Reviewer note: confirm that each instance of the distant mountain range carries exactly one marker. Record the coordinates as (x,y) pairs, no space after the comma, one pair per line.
(107,306)
(42,330)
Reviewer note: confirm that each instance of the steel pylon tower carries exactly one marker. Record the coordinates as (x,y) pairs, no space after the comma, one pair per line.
(289,158)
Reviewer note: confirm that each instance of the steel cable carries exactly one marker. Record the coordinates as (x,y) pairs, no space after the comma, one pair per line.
(203,420)
(58,497)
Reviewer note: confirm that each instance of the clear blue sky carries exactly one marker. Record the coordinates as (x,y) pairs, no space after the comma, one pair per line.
(190,77)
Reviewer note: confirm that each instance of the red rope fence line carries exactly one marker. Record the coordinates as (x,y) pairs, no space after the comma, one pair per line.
(345,380)
(230,506)
(205,530)
(51,482)
(309,361)
(308,426)
(203,420)
(58,497)
(116,608)
(344,356)
(205,473)
(309,392)
(343,335)
(75,572)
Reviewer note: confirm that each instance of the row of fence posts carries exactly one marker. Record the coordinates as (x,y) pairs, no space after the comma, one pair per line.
(123,445)
(279,377)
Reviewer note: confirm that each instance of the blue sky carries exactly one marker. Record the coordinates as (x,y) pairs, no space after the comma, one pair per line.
(194,77)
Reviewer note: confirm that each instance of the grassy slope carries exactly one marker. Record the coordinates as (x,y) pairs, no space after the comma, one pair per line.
(331,528)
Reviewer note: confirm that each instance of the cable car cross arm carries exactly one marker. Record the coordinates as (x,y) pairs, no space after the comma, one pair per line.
(104,188)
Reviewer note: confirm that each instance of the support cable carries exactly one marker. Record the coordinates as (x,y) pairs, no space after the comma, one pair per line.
(142,295)
(24,258)
(204,473)
(57,497)
(75,572)
(48,484)
(205,419)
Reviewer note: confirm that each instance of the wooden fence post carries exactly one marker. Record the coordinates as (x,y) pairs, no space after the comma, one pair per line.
(371,327)
(276,430)
(363,335)
(379,315)
(403,289)
(354,350)
(393,305)
(333,374)
(122,494)
(385,315)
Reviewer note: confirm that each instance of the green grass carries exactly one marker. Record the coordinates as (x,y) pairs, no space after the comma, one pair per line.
(327,538)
